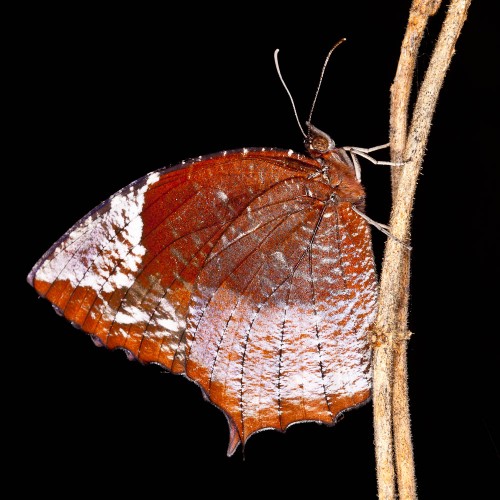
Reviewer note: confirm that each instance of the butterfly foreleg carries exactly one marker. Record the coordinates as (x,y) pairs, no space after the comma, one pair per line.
(354,152)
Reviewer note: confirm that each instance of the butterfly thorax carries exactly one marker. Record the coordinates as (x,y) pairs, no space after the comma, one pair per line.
(336,167)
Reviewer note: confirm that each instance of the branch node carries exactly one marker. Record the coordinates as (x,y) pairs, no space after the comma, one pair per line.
(404,335)
(379,338)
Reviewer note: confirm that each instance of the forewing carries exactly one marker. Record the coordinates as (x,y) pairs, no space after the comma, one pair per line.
(125,272)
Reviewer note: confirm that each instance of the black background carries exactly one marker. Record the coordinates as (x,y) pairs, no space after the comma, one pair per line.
(107,96)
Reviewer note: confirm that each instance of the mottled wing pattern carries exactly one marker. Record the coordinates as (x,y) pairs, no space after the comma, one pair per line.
(241,271)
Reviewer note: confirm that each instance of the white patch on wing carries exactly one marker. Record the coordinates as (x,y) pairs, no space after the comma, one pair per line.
(130,315)
(222,196)
(103,253)
(169,324)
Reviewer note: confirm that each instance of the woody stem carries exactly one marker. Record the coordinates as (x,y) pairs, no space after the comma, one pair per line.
(393,443)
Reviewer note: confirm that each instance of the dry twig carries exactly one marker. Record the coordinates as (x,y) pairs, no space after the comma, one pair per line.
(390,393)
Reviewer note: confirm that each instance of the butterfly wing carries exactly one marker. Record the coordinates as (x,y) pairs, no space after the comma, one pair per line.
(237,270)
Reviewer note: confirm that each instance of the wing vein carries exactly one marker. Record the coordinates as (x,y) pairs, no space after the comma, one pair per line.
(315,307)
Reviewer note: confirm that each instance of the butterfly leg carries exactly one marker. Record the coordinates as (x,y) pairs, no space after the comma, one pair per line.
(381,227)
(370,150)
(354,152)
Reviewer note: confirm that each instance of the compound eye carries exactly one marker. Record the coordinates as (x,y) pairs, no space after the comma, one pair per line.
(317,141)
(319,144)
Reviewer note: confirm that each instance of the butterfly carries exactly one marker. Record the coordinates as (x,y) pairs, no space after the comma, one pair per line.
(250,272)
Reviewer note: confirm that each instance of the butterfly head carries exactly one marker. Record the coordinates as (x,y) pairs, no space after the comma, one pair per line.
(317,142)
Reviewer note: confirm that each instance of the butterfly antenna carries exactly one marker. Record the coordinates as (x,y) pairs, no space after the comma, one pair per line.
(321,77)
(288,92)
